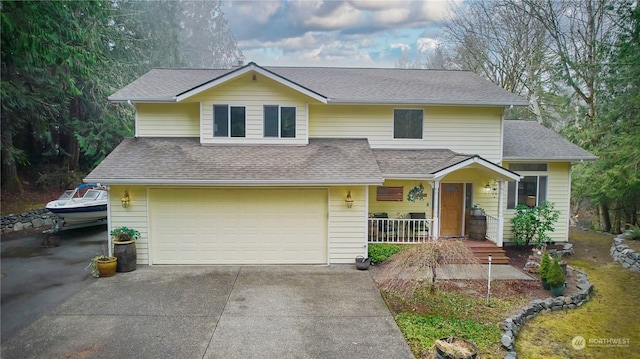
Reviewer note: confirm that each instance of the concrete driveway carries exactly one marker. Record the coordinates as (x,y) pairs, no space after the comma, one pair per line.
(36,280)
(219,312)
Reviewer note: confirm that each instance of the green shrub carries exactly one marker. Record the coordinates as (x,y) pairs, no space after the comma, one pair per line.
(379,253)
(555,275)
(634,232)
(533,224)
(545,262)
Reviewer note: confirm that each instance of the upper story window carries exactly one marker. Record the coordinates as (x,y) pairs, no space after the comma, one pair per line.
(279,121)
(407,123)
(532,189)
(229,121)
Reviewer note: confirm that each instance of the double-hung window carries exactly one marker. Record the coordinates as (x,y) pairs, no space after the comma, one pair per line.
(229,121)
(279,121)
(407,123)
(532,189)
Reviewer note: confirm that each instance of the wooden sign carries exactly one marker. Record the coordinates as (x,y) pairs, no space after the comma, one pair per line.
(389,194)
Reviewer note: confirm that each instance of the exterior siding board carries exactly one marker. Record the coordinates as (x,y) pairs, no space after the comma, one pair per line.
(168,119)
(469,130)
(253,95)
(134,216)
(558,192)
(347,226)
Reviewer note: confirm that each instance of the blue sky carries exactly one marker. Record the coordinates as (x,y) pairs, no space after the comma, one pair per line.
(334,33)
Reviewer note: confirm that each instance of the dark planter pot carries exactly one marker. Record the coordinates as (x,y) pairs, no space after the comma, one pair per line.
(557,290)
(443,354)
(363,263)
(106,267)
(545,285)
(126,254)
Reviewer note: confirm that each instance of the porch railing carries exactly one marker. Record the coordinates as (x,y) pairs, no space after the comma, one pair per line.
(399,230)
(492,228)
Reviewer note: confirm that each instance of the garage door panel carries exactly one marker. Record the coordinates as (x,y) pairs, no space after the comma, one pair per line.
(230,226)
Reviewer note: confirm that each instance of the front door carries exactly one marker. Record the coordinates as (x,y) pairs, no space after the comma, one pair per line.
(451,200)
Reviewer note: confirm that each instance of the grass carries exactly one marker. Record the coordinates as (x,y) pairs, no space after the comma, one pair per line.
(452,310)
(612,312)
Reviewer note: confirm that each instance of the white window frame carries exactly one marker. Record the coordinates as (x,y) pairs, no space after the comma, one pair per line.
(537,175)
(229,106)
(393,134)
(280,107)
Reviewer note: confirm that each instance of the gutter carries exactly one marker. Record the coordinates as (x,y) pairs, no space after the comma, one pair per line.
(236,183)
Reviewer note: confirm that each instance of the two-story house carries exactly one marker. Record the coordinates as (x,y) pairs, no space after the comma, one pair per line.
(276,165)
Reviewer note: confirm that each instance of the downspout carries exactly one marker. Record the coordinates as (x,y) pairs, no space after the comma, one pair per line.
(109,244)
(135,121)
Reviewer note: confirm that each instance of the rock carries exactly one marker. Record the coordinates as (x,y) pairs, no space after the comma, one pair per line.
(510,355)
(18,226)
(507,341)
(37,222)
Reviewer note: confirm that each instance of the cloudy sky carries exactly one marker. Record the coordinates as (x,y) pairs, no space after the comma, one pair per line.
(334,33)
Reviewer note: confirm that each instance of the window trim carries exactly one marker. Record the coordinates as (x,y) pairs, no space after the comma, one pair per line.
(422,127)
(534,173)
(229,106)
(280,107)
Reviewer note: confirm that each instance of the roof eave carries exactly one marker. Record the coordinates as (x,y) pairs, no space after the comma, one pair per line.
(550,159)
(425,103)
(243,183)
(142,99)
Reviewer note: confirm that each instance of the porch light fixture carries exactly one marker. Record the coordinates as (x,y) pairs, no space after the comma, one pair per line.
(349,200)
(254,78)
(126,200)
(492,188)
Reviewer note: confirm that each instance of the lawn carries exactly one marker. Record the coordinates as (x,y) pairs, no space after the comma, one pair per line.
(458,308)
(609,322)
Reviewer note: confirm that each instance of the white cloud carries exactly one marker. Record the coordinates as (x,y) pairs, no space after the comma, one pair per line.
(400,46)
(426,44)
(341,17)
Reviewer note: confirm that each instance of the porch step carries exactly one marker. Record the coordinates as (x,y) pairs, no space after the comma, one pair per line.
(482,249)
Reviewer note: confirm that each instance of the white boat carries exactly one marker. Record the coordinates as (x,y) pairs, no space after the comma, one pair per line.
(85,204)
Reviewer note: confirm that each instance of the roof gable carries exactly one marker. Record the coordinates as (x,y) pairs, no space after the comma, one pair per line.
(332,85)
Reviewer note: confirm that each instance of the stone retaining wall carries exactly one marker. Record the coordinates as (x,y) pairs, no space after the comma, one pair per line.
(36,218)
(624,255)
(535,307)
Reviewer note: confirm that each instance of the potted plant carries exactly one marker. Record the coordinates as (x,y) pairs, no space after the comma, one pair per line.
(103,266)
(124,248)
(477,210)
(545,261)
(556,278)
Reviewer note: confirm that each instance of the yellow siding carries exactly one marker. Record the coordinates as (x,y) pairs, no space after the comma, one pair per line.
(558,192)
(347,226)
(168,119)
(243,91)
(471,130)
(134,216)
(404,207)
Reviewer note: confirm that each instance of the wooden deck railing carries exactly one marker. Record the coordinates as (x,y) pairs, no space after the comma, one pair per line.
(399,230)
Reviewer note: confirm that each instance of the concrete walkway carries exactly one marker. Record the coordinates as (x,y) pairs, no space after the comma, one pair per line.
(219,312)
(481,271)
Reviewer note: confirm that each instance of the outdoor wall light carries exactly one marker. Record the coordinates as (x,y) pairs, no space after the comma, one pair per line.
(349,200)
(492,188)
(126,200)
(254,78)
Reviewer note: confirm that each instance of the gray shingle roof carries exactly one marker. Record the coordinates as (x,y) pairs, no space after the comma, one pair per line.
(340,85)
(185,161)
(415,163)
(528,140)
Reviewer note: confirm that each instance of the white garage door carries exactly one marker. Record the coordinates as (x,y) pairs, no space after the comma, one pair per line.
(232,226)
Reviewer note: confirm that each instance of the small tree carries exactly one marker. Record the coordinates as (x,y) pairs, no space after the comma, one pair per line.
(544,265)
(555,274)
(405,271)
(534,223)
